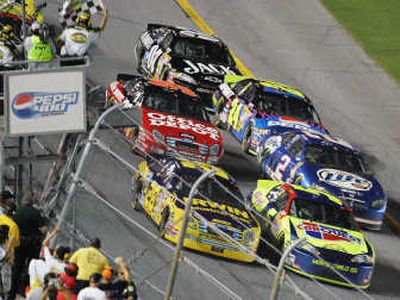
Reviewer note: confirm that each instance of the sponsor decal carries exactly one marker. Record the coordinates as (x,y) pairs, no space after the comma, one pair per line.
(199,67)
(290,124)
(79,38)
(212,79)
(159,119)
(215,207)
(37,104)
(338,267)
(326,233)
(344,179)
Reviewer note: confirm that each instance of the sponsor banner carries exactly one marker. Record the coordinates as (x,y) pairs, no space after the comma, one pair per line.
(344,179)
(45,102)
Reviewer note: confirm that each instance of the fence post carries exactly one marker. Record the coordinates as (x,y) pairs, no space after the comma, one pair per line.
(82,161)
(182,233)
(279,271)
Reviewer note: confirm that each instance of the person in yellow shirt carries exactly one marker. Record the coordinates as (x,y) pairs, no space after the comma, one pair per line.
(89,260)
(12,239)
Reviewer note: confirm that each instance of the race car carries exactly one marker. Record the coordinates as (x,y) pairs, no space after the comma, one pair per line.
(185,56)
(330,164)
(333,244)
(162,186)
(173,120)
(249,108)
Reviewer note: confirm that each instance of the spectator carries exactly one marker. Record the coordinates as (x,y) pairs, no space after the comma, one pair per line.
(36,293)
(93,291)
(66,287)
(89,260)
(13,237)
(124,285)
(56,260)
(39,48)
(50,261)
(106,283)
(32,226)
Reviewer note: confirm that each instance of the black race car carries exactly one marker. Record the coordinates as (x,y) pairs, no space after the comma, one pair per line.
(185,56)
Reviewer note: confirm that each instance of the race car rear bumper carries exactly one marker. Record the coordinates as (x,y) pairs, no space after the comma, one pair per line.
(215,248)
(351,274)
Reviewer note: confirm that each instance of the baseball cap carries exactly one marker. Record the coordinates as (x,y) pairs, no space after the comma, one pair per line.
(107,272)
(35,26)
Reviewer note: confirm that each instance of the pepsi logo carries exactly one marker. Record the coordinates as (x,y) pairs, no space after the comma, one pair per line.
(344,179)
(35,104)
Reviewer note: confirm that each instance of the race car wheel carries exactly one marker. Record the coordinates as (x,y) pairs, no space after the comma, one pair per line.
(137,191)
(163,223)
(246,139)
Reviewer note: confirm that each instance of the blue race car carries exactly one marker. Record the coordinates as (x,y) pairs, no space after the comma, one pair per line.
(249,107)
(329,164)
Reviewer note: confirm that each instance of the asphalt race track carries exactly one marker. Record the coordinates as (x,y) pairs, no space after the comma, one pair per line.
(296,42)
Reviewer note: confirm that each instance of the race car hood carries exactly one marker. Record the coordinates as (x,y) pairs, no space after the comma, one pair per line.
(282,124)
(179,127)
(342,184)
(207,75)
(220,213)
(328,237)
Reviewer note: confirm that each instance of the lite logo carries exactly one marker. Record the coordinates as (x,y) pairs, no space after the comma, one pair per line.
(34,105)
(344,179)
(326,233)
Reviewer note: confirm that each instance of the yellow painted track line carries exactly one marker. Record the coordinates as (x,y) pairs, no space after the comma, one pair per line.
(203,26)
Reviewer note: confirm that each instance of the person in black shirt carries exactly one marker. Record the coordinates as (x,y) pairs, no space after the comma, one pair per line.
(32,226)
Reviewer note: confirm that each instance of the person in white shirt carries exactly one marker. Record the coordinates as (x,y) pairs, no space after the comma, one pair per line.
(77,39)
(92,292)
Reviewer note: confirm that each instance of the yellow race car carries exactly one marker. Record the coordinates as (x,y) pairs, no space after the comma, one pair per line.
(161,189)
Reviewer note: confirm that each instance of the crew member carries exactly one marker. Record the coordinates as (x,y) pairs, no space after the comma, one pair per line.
(77,39)
(39,48)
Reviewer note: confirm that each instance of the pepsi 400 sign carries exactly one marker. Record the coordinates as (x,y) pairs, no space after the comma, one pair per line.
(48,102)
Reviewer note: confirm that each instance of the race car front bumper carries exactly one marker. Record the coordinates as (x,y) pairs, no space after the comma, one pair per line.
(351,274)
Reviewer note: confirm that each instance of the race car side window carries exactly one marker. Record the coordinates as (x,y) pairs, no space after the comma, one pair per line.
(279,197)
(296,147)
(241,86)
(287,138)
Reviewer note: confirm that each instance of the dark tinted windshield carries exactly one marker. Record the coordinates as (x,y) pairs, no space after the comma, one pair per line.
(202,50)
(284,105)
(215,189)
(336,158)
(175,103)
(321,212)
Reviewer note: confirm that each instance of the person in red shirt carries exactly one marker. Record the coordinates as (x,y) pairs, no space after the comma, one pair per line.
(66,288)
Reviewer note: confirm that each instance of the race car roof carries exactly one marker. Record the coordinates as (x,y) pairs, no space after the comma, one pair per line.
(326,139)
(194,165)
(171,86)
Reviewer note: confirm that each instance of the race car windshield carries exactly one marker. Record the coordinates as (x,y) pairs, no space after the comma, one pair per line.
(283,105)
(328,156)
(216,189)
(321,212)
(201,50)
(177,104)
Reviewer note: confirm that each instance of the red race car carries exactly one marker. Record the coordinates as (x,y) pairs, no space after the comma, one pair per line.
(173,121)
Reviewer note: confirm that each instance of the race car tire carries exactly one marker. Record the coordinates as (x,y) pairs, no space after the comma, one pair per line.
(246,139)
(163,223)
(137,191)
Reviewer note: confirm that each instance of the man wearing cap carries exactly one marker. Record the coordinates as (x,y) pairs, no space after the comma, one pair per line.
(39,48)
(32,226)
(89,260)
(13,238)
(92,291)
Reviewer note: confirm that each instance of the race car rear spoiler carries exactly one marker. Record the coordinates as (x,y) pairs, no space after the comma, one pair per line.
(152,26)
(126,77)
